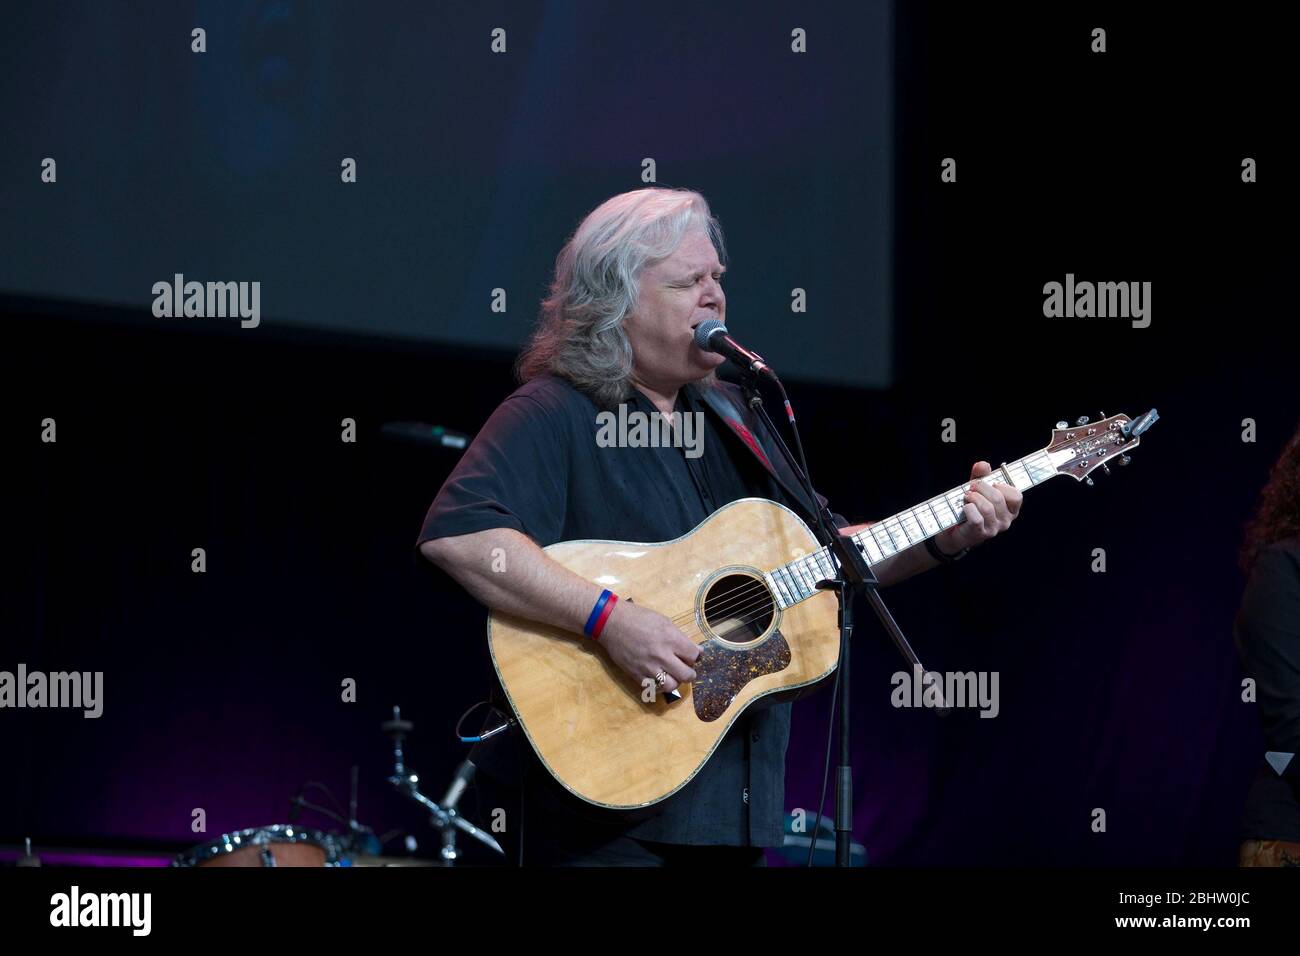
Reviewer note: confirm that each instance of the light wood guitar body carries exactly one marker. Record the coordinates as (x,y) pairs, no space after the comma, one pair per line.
(589,722)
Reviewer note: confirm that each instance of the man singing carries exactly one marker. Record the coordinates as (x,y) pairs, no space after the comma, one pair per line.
(639,274)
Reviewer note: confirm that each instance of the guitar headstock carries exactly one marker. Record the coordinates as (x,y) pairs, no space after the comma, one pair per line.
(1079,450)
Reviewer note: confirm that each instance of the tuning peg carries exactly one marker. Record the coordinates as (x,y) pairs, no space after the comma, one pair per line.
(1124,459)
(1062,424)
(1105,468)
(1081,420)
(1088,481)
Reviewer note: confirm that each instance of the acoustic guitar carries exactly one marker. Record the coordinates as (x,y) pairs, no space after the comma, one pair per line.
(743,585)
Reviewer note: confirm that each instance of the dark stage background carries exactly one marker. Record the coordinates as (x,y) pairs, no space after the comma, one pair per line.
(222,690)
(472,166)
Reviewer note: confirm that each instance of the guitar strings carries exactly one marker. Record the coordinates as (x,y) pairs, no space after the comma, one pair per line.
(738,600)
(732,600)
(741,624)
(744,611)
(726,601)
(755,587)
(750,595)
(756,591)
(749,602)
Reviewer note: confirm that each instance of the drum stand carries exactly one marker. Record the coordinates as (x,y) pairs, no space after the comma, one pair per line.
(443,818)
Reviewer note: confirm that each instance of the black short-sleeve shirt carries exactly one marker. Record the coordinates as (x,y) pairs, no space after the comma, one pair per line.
(539,466)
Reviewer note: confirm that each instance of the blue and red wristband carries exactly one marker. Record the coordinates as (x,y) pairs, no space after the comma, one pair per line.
(600,614)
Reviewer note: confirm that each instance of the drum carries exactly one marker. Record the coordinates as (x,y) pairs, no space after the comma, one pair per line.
(278,845)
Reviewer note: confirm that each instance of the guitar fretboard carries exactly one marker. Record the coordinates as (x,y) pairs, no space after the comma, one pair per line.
(797,581)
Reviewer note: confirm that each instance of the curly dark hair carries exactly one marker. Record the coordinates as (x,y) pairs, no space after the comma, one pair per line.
(1278,515)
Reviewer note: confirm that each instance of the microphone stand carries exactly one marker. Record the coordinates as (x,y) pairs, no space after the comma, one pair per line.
(854,577)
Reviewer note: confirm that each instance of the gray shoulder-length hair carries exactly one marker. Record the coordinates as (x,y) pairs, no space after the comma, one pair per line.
(580,335)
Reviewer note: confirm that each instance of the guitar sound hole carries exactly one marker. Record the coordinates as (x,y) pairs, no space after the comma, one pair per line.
(738,608)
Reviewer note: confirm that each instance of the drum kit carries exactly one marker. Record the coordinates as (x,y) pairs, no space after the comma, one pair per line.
(287,844)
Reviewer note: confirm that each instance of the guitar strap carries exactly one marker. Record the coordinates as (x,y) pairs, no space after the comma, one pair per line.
(727,403)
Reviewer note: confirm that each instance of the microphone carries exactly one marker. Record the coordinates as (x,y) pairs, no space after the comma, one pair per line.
(464,774)
(420,433)
(712,336)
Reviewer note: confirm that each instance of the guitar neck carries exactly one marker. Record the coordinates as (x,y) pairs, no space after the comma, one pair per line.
(797,581)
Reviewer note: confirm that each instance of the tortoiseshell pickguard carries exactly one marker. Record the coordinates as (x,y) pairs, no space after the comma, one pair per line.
(721,672)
